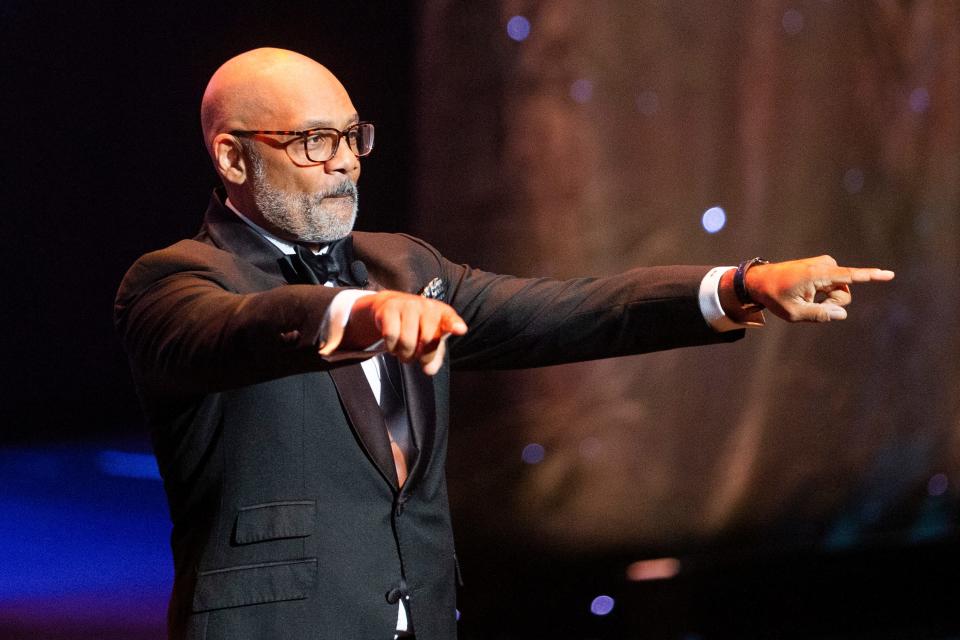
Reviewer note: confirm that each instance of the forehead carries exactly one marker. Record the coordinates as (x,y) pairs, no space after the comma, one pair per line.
(308,100)
(327,123)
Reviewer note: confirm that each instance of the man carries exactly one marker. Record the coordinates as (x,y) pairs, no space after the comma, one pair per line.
(304,467)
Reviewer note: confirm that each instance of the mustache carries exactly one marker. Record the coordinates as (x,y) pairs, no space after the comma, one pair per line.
(345,188)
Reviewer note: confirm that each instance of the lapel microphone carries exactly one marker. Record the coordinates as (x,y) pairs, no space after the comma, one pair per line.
(359,272)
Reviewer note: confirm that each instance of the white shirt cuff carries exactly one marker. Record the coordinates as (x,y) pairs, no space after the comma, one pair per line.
(337,317)
(712,310)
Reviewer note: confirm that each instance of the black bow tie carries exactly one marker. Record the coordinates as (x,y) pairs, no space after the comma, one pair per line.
(336,265)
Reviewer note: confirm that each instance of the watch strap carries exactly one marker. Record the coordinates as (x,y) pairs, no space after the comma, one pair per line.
(740,285)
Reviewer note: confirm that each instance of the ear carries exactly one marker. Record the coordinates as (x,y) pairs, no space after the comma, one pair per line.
(228,158)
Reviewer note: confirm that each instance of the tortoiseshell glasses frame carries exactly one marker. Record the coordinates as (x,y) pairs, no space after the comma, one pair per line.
(320,144)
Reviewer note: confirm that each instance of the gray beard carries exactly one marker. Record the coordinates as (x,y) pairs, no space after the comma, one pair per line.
(304,216)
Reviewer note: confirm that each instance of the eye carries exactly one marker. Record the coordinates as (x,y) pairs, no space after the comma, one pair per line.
(315,139)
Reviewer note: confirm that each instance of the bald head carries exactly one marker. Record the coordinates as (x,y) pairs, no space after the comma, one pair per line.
(265,176)
(270,89)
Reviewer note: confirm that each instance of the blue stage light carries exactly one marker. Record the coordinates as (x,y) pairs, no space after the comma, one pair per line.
(82,547)
(518,28)
(938,485)
(581,90)
(648,103)
(792,21)
(714,219)
(919,100)
(853,180)
(124,464)
(601,605)
(533,453)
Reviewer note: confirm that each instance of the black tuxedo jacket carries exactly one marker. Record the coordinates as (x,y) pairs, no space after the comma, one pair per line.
(287,518)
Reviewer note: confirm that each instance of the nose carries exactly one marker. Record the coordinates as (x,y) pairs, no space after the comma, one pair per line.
(343,161)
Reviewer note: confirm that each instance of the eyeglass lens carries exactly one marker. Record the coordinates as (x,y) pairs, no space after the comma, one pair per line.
(322,145)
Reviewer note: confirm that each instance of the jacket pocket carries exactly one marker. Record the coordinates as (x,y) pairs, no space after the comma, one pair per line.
(274,521)
(254,584)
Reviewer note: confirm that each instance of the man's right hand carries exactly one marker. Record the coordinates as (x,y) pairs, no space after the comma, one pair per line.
(412,327)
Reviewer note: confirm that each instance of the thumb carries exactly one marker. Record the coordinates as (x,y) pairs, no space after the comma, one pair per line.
(819,312)
(432,363)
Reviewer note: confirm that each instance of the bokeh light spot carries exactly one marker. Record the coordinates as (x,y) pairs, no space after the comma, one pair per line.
(792,21)
(938,484)
(714,219)
(601,605)
(919,100)
(533,453)
(591,447)
(853,180)
(658,569)
(581,90)
(518,28)
(648,103)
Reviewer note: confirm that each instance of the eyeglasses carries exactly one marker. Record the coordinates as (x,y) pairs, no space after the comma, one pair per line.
(321,144)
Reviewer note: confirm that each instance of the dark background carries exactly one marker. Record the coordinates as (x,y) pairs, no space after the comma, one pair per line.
(107,163)
(804,480)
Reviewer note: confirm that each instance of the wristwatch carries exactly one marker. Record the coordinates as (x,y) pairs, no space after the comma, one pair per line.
(740,285)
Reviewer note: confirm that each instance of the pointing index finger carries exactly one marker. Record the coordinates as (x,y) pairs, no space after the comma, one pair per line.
(451,323)
(847,275)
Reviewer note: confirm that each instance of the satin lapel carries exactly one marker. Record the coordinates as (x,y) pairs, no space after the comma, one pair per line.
(365,417)
(422,413)
(232,234)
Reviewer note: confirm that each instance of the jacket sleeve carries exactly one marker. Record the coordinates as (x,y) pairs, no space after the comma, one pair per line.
(522,322)
(188,330)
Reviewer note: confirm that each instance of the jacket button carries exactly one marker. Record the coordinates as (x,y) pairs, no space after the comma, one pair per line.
(393,596)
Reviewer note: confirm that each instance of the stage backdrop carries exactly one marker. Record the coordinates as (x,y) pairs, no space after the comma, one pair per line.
(566,138)
(541,138)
